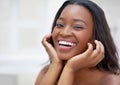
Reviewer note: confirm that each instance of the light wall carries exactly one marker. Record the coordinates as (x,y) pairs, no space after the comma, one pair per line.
(23,24)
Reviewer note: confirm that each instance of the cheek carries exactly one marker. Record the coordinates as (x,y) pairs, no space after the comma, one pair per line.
(54,34)
(85,38)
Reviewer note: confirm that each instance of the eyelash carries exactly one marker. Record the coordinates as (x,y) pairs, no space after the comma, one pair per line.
(76,27)
(59,25)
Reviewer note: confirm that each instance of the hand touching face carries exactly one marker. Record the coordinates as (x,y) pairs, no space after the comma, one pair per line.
(50,49)
(90,58)
(72,33)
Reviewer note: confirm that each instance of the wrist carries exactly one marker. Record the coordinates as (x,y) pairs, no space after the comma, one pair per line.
(56,65)
(67,76)
(69,69)
(56,61)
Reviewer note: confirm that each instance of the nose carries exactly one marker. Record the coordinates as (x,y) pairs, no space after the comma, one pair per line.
(66,31)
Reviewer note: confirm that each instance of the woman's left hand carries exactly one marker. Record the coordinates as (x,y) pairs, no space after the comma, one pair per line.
(90,58)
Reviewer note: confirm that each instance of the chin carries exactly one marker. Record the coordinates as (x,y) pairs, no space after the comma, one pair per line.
(64,56)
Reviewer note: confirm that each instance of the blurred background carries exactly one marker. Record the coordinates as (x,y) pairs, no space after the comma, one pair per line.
(23,23)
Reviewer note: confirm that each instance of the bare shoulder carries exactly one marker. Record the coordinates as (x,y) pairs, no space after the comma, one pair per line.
(44,70)
(115,80)
(111,79)
(41,74)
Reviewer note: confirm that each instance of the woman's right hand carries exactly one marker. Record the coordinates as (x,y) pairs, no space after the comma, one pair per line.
(51,50)
(55,67)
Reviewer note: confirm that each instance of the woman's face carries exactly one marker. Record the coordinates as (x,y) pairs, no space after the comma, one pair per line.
(73,30)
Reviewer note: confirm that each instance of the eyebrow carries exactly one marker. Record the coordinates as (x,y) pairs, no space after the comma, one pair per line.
(76,20)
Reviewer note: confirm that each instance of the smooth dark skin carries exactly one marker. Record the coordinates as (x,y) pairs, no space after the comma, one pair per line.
(79,66)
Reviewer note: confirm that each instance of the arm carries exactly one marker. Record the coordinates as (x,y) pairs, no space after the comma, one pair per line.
(67,77)
(54,70)
(50,76)
(90,58)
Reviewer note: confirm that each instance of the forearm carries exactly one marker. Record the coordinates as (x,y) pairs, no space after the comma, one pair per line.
(52,75)
(67,77)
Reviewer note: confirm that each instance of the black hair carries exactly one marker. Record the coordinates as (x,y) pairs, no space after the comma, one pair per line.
(101,32)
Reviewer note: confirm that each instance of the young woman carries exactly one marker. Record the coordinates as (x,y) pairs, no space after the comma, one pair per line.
(80,47)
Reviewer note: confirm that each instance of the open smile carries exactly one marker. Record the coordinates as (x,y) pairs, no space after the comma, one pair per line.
(66,46)
(66,43)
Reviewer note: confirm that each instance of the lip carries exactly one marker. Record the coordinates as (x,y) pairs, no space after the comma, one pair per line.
(64,49)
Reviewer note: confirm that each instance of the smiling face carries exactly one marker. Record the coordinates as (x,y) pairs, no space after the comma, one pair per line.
(72,32)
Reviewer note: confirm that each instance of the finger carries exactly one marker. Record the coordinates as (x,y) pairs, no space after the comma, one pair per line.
(89,51)
(96,51)
(79,60)
(100,56)
(45,40)
(46,44)
(85,55)
(102,48)
(49,48)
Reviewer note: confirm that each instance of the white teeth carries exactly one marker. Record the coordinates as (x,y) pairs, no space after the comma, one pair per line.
(67,43)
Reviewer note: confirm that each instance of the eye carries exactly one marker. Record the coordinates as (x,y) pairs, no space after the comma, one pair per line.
(78,27)
(59,25)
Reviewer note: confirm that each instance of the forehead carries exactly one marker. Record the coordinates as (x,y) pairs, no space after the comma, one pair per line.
(76,11)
